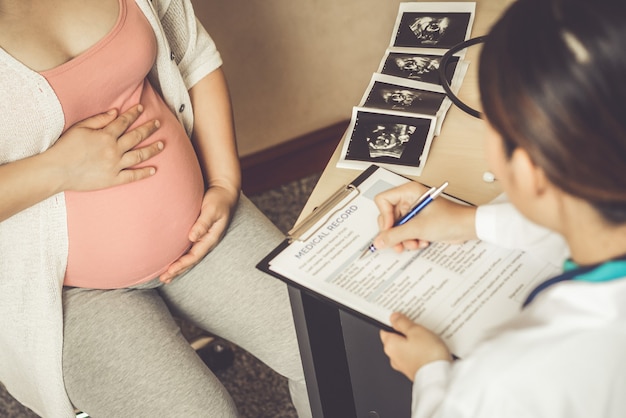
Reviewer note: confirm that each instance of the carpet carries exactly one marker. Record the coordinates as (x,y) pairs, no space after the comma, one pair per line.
(257,390)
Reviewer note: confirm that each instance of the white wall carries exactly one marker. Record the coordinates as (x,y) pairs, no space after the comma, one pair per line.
(295,66)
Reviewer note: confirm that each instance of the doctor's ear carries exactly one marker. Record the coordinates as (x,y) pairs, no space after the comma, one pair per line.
(528,176)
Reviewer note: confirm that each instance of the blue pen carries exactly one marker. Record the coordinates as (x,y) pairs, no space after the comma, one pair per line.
(421,203)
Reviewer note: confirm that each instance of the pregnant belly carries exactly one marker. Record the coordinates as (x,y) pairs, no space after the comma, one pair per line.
(129,234)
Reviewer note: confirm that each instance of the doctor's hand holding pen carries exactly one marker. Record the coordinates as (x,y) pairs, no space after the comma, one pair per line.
(410,218)
(442,220)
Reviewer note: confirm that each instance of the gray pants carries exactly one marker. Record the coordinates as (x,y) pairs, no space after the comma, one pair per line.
(124,356)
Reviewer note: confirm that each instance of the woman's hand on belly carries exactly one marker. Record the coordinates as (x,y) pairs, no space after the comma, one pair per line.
(99,152)
(217,209)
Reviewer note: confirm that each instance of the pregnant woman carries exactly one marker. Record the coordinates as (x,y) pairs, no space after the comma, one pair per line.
(121,206)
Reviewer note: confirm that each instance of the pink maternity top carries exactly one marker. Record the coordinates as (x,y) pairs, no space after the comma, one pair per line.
(129,234)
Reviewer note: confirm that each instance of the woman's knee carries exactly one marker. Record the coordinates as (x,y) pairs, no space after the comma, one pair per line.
(124,355)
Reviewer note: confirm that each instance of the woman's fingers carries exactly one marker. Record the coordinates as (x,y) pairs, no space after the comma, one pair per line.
(121,123)
(127,140)
(130,139)
(133,157)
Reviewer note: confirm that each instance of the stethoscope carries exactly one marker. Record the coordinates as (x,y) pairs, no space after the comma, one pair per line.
(487,176)
(443,65)
(602,272)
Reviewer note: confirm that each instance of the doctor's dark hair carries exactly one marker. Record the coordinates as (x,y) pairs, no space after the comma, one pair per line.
(553,82)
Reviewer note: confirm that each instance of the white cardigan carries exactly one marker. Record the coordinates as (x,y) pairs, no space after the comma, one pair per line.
(34,242)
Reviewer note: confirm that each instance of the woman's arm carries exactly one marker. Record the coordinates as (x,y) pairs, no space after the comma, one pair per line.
(214,141)
(502,224)
(214,133)
(95,153)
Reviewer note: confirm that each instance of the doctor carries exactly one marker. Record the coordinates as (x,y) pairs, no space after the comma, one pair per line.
(553,97)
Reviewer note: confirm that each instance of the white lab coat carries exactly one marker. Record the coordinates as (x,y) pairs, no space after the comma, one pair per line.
(562,357)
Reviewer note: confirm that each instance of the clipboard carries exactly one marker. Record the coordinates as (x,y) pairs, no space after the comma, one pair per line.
(264,266)
(308,226)
(459,291)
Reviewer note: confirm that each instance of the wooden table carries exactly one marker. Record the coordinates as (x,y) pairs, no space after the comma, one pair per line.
(457,154)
